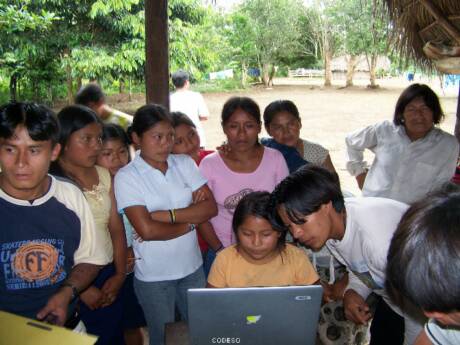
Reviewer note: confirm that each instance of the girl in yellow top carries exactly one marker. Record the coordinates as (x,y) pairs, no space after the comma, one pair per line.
(260,257)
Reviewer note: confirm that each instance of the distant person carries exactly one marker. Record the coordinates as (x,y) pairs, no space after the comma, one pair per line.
(424,265)
(357,231)
(412,155)
(92,96)
(189,102)
(48,252)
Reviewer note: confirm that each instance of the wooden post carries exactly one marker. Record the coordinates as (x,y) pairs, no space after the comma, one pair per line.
(457,121)
(156,52)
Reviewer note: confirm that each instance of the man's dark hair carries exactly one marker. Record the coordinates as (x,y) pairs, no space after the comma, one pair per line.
(423,263)
(255,204)
(418,91)
(179,78)
(90,93)
(39,120)
(304,192)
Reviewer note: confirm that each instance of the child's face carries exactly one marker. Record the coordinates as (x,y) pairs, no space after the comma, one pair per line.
(316,230)
(24,163)
(84,146)
(186,141)
(257,241)
(113,156)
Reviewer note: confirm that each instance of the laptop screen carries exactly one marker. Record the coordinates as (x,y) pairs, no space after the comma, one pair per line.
(265,315)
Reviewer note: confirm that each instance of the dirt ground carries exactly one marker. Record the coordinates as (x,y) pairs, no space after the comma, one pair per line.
(328,114)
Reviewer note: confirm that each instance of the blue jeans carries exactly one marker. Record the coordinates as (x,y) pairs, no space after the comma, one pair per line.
(158,300)
(208,260)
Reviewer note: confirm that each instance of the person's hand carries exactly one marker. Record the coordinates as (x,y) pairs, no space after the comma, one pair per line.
(92,297)
(356,308)
(111,288)
(361,178)
(136,236)
(55,310)
(199,195)
(338,287)
(224,148)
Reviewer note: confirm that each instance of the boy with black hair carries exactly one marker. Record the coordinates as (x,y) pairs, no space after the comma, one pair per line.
(357,231)
(92,96)
(188,102)
(424,265)
(47,249)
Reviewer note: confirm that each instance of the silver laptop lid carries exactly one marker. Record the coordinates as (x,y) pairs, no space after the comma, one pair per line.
(266,315)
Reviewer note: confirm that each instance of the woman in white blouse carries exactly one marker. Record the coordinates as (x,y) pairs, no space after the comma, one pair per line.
(412,156)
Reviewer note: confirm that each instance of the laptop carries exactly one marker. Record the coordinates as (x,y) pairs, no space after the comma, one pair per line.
(263,315)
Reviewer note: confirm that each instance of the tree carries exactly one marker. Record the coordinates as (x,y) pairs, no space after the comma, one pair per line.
(271,32)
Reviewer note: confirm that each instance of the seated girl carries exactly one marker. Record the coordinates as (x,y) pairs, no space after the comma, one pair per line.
(261,257)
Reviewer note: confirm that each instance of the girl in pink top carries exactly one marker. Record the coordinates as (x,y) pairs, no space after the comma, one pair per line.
(246,167)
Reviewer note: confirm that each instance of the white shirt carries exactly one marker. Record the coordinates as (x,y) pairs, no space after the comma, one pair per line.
(439,335)
(402,170)
(370,225)
(192,104)
(138,183)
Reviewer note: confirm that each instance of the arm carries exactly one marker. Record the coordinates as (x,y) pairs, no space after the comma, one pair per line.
(152,230)
(117,232)
(80,277)
(356,308)
(356,143)
(327,164)
(196,213)
(208,234)
(422,339)
(361,178)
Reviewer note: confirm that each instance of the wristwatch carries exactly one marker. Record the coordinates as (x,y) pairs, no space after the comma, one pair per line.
(75,293)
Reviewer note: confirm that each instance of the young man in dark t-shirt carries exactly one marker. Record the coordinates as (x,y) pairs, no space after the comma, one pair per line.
(47,248)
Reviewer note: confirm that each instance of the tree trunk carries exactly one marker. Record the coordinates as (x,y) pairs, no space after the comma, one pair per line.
(265,74)
(272,75)
(130,94)
(244,74)
(79,83)
(327,68)
(121,86)
(69,80)
(14,87)
(351,65)
(372,71)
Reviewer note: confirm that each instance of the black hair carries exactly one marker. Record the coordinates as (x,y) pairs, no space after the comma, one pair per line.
(304,192)
(423,263)
(148,116)
(39,120)
(112,131)
(276,107)
(418,91)
(255,204)
(244,103)
(179,118)
(179,78)
(73,118)
(90,93)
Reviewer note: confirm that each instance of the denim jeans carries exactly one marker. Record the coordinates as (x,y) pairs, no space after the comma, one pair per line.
(159,299)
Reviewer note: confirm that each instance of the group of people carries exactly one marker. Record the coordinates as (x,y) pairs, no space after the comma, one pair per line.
(96,238)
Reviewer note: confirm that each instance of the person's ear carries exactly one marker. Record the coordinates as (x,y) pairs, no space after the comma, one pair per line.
(55,151)
(136,139)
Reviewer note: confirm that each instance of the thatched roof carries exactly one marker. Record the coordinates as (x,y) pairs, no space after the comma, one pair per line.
(416,22)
